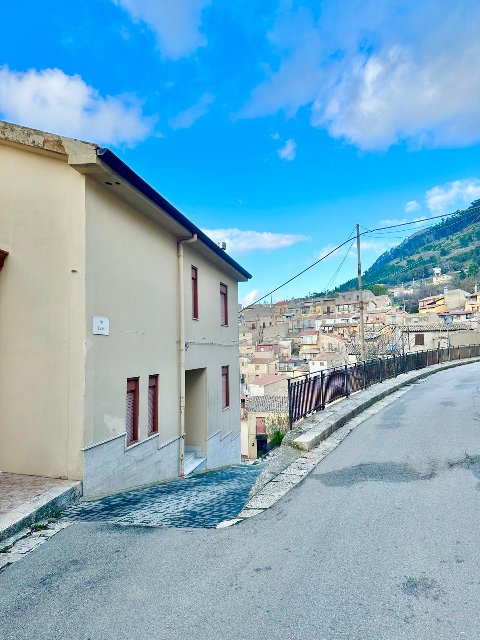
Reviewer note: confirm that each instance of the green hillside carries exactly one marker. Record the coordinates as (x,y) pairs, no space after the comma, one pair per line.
(453,244)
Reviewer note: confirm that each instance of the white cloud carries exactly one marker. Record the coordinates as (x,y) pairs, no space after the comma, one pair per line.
(324,252)
(454,195)
(186,118)
(250,297)
(176,23)
(377,247)
(288,151)
(412,205)
(49,99)
(378,76)
(239,241)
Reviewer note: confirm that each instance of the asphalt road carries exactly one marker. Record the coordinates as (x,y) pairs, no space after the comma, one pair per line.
(381,541)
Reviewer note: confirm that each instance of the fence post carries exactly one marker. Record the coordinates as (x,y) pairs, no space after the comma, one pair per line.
(346,381)
(364,375)
(289,404)
(322,391)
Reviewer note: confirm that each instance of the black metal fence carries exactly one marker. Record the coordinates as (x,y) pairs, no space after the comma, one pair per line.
(314,391)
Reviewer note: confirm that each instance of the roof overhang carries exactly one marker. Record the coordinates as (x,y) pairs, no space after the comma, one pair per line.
(114,174)
(106,168)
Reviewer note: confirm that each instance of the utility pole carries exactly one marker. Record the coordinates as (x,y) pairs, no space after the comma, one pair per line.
(360,293)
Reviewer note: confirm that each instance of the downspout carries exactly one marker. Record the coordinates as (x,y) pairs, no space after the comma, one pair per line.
(181,345)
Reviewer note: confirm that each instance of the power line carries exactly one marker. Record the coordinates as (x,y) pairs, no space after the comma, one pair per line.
(368,231)
(339,268)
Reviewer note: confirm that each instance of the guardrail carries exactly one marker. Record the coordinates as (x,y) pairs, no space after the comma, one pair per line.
(314,391)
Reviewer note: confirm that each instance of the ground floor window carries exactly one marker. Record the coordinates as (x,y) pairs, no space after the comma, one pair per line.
(152,404)
(225,388)
(131,419)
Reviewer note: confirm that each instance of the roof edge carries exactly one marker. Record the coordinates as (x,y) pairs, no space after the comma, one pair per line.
(123,170)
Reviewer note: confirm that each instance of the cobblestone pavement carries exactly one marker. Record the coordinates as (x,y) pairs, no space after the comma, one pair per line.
(204,500)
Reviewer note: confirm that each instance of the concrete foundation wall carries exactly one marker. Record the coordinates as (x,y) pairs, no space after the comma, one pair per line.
(110,467)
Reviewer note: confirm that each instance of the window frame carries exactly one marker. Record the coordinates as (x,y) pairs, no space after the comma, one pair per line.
(223,304)
(153,378)
(133,384)
(194,278)
(226,388)
(419,339)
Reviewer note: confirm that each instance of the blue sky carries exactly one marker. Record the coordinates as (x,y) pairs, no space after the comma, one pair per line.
(274,125)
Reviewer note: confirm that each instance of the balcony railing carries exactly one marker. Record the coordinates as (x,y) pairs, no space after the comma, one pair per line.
(313,392)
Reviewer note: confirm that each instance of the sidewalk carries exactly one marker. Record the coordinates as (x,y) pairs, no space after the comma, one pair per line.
(25,500)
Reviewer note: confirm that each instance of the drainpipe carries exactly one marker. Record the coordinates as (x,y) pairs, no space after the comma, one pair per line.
(181,345)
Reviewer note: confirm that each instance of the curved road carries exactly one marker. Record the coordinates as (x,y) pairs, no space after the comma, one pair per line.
(381,541)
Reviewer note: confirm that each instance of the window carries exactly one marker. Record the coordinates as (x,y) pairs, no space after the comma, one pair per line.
(225,388)
(223,304)
(131,421)
(152,405)
(419,339)
(194,293)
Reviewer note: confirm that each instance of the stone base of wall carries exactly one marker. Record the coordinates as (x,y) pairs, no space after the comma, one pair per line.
(110,468)
(223,451)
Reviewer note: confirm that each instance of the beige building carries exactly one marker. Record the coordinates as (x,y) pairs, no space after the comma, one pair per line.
(118,323)
(251,369)
(274,385)
(263,416)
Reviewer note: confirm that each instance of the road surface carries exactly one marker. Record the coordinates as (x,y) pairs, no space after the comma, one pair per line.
(381,541)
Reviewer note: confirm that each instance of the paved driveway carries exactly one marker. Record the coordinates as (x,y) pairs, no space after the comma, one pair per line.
(203,500)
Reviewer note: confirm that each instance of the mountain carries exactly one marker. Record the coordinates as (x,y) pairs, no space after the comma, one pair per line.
(453,244)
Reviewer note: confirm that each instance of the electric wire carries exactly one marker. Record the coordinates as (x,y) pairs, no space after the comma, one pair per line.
(363,233)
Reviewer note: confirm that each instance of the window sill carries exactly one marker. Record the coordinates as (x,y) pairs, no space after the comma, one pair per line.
(135,443)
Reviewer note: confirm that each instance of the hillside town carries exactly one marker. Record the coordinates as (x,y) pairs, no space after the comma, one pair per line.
(291,338)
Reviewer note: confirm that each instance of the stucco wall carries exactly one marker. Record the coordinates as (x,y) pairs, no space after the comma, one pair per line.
(212,346)
(42,288)
(132,280)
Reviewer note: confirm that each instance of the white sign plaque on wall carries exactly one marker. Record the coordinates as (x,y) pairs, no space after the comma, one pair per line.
(101,326)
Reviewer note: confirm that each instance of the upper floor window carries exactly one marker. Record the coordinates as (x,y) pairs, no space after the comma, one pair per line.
(194,293)
(419,339)
(223,304)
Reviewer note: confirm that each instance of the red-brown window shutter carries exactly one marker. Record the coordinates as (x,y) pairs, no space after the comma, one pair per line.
(194,293)
(223,304)
(225,388)
(131,421)
(152,404)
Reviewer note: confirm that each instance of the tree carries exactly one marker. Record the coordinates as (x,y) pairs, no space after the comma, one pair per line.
(473,269)
(378,289)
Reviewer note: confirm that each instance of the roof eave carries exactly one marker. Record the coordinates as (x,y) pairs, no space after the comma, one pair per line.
(122,169)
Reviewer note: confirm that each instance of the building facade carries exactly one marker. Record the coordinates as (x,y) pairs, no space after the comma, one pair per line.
(118,323)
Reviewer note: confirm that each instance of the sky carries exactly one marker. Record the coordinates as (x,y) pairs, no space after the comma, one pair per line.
(276,125)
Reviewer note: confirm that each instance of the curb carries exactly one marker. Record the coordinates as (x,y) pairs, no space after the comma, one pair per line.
(330,422)
(318,442)
(43,506)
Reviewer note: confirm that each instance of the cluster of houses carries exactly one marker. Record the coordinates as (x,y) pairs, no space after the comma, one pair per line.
(293,338)
(122,362)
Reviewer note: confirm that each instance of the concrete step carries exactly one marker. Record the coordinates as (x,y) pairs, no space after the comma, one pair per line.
(194,464)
